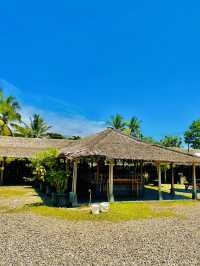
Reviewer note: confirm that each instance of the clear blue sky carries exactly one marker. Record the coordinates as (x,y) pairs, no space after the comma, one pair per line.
(78,62)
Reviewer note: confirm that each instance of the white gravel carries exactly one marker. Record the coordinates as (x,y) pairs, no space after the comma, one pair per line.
(27,239)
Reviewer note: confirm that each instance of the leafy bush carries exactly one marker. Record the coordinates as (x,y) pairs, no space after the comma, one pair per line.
(47,168)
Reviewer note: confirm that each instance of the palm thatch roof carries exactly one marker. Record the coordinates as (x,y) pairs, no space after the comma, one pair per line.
(113,144)
(108,144)
(27,147)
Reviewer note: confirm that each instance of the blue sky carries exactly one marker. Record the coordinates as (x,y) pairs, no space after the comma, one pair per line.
(79,62)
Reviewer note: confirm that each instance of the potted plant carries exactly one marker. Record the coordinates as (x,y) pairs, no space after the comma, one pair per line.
(40,177)
(58,179)
(51,173)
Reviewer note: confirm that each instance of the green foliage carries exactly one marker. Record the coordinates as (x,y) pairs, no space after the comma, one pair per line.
(134,127)
(117,122)
(74,138)
(192,135)
(131,127)
(149,140)
(58,178)
(37,128)
(171,141)
(8,114)
(48,168)
(54,135)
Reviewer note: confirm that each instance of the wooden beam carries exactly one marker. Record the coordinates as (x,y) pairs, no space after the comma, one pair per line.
(110,182)
(172,191)
(75,174)
(194,181)
(159,182)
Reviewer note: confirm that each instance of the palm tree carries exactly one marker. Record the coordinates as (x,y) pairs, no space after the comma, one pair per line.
(38,128)
(134,127)
(8,113)
(117,122)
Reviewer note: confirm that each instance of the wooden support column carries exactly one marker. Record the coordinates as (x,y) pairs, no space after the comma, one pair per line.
(110,181)
(159,182)
(142,179)
(172,191)
(194,181)
(2,171)
(75,174)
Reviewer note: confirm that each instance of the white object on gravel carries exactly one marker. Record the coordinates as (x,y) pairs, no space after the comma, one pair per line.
(95,208)
(104,206)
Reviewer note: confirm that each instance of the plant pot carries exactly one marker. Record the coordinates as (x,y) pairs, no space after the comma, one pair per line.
(48,190)
(42,187)
(60,199)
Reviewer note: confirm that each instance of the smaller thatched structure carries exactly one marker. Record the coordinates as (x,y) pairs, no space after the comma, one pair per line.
(113,144)
(18,147)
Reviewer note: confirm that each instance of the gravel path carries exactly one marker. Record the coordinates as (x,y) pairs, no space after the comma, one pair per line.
(27,239)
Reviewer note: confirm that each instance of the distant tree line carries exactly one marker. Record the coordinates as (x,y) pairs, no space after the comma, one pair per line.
(132,127)
(12,124)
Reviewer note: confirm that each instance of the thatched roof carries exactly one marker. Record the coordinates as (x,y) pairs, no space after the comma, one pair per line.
(108,144)
(27,147)
(192,151)
(113,144)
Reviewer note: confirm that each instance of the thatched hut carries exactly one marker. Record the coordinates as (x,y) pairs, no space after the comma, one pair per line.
(116,160)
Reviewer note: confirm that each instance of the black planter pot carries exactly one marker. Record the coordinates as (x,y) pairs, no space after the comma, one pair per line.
(48,191)
(42,188)
(60,199)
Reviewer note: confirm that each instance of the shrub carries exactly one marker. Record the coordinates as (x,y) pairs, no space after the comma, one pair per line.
(47,168)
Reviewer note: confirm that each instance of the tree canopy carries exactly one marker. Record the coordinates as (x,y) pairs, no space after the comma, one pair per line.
(171,141)
(9,114)
(37,128)
(192,135)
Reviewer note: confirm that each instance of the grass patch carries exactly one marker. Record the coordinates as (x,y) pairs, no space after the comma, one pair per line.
(10,192)
(117,212)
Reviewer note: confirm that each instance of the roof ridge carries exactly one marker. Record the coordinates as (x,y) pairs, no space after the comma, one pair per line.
(154,144)
(103,134)
(173,150)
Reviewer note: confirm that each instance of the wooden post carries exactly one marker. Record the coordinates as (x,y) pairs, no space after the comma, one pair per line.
(159,182)
(194,181)
(172,192)
(75,173)
(2,171)
(98,172)
(142,180)
(110,180)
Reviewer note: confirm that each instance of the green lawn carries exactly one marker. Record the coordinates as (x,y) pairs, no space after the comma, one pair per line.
(119,211)
(14,191)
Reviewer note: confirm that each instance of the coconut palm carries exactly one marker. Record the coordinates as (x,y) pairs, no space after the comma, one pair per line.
(8,113)
(117,122)
(134,127)
(38,128)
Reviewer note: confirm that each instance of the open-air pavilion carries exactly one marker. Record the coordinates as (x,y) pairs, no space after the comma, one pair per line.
(109,163)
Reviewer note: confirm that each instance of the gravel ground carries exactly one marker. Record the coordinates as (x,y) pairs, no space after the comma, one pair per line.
(28,239)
